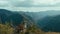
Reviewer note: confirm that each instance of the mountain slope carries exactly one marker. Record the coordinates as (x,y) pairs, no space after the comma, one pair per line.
(50,23)
(8,16)
(40,15)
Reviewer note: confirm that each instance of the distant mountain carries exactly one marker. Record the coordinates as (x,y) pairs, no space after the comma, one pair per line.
(40,15)
(12,17)
(46,20)
(9,16)
(50,23)
(4,14)
(16,19)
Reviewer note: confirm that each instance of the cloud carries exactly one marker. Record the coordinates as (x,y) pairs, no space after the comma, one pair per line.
(3,3)
(26,4)
(29,3)
(21,3)
(46,3)
(38,2)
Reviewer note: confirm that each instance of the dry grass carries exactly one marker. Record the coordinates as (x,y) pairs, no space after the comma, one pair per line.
(6,29)
(52,33)
(35,30)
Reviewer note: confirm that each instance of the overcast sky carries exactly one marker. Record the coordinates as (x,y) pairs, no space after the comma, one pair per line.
(30,4)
